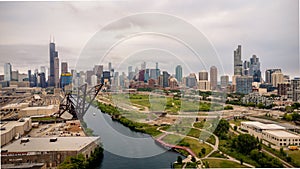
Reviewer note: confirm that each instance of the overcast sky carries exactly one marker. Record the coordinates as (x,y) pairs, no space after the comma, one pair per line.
(266,28)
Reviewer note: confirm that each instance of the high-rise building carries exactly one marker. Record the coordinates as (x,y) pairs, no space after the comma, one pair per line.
(244,84)
(66,79)
(64,67)
(143,66)
(7,72)
(15,75)
(203,75)
(54,66)
(98,71)
(224,81)
(246,66)
(166,76)
(129,70)
(282,88)
(213,77)
(277,78)
(191,80)
(238,64)
(89,75)
(204,85)
(94,80)
(295,90)
(56,72)
(178,73)
(254,69)
(42,80)
(268,75)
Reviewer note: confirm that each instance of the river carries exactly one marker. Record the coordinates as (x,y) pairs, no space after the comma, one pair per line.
(124,148)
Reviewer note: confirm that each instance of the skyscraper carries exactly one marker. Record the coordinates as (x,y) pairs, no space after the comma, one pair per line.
(254,69)
(277,77)
(203,75)
(54,66)
(178,74)
(56,72)
(143,66)
(244,84)
(166,76)
(269,73)
(64,67)
(295,89)
(213,77)
(224,81)
(238,64)
(7,72)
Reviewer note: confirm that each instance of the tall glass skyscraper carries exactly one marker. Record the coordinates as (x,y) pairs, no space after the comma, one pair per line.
(238,64)
(7,72)
(178,73)
(54,66)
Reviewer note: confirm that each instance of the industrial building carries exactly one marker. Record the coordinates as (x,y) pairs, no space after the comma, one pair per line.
(14,129)
(47,150)
(272,133)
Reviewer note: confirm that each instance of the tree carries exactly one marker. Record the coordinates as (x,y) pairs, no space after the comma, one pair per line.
(193,159)
(245,143)
(203,150)
(199,154)
(235,128)
(241,160)
(222,128)
(295,116)
(179,160)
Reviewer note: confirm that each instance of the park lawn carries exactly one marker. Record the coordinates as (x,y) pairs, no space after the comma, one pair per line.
(196,146)
(172,139)
(213,163)
(217,154)
(295,155)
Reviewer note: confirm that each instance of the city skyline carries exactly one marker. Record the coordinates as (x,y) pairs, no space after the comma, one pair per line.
(266,41)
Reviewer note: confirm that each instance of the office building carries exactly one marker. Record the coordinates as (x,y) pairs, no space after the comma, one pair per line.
(66,79)
(244,84)
(105,79)
(238,64)
(64,67)
(204,85)
(7,71)
(203,75)
(166,76)
(42,80)
(277,78)
(89,74)
(282,88)
(54,66)
(178,73)
(224,81)
(56,72)
(213,77)
(294,92)
(191,80)
(268,75)
(98,71)
(254,69)
(143,66)
(246,66)
(15,75)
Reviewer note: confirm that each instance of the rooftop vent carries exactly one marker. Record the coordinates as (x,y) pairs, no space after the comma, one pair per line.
(53,139)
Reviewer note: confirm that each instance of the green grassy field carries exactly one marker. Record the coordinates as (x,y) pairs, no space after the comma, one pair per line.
(213,163)
(295,156)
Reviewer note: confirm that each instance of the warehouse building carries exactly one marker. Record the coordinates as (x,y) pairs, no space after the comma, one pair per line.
(272,133)
(14,129)
(49,151)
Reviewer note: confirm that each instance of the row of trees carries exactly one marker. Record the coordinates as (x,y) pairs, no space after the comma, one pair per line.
(79,161)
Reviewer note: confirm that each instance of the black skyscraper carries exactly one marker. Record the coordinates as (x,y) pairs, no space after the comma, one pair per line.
(53,54)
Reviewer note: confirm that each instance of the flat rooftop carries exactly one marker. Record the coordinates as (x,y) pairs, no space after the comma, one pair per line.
(42,144)
(40,108)
(8,125)
(263,126)
(281,133)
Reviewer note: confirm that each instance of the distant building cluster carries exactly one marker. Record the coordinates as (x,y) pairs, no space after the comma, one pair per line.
(246,79)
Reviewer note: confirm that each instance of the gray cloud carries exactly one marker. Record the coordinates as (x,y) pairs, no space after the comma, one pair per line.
(269,29)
